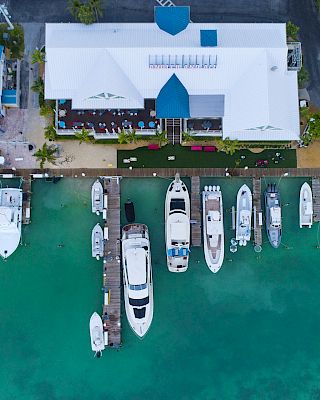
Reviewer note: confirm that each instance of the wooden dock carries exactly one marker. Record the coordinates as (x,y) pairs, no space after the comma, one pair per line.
(256,211)
(195,211)
(111,263)
(315,183)
(26,200)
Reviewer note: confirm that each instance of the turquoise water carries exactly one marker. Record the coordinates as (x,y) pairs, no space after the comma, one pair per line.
(248,332)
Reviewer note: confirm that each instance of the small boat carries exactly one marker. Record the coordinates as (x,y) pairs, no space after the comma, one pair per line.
(96,334)
(137,277)
(97,242)
(10,220)
(306,206)
(97,197)
(213,230)
(177,222)
(272,202)
(129,210)
(243,217)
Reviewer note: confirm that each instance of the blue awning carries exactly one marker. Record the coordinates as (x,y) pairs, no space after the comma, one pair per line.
(172,19)
(9,96)
(208,38)
(173,100)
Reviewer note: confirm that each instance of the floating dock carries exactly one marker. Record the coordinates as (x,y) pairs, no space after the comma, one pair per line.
(257,212)
(112,262)
(26,200)
(195,211)
(316,199)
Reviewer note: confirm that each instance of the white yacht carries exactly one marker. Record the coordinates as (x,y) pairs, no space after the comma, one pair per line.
(97,197)
(97,242)
(10,220)
(243,217)
(213,231)
(306,206)
(137,277)
(177,220)
(96,334)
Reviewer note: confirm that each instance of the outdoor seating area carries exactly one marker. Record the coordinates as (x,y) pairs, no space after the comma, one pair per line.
(107,121)
(208,124)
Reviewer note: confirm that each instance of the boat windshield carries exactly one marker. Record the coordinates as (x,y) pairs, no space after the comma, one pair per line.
(177,204)
(139,302)
(138,287)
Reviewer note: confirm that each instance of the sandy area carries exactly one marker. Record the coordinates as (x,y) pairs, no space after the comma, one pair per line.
(309,157)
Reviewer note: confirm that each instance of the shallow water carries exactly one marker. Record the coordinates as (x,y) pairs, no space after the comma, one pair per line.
(248,332)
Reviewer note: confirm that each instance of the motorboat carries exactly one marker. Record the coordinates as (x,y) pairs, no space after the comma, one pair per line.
(137,277)
(10,220)
(177,222)
(306,206)
(243,216)
(97,242)
(96,334)
(213,230)
(272,202)
(129,210)
(97,197)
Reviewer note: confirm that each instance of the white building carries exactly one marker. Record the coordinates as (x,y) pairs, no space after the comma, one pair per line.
(237,73)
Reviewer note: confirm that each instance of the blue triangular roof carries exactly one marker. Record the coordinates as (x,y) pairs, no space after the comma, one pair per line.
(173,100)
(172,19)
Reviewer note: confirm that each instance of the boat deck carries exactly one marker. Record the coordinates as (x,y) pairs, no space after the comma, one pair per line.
(256,210)
(316,199)
(111,263)
(195,211)
(26,200)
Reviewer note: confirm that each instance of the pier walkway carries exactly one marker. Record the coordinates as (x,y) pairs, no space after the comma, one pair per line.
(257,211)
(316,199)
(26,200)
(195,211)
(112,262)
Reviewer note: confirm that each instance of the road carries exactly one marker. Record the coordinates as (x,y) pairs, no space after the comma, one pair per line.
(302,12)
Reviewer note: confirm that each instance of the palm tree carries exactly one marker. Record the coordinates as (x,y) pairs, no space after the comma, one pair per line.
(74,7)
(97,8)
(131,136)
(46,110)
(123,137)
(38,86)
(46,154)
(187,137)
(38,56)
(84,136)
(86,14)
(50,133)
(227,145)
(161,137)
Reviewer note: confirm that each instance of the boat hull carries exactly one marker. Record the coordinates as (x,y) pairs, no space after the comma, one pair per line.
(272,199)
(97,242)
(177,226)
(137,278)
(305,206)
(96,333)
(97,197)
(213,229)
(243,215)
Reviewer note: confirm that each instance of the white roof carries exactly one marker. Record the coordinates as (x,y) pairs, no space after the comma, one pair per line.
(136,266)
(89,63)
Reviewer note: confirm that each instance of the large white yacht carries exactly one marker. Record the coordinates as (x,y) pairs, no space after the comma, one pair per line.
(177,220)
(243,218)
(213,231)
(137,277)
(10,220)
(96,334)
(306,206)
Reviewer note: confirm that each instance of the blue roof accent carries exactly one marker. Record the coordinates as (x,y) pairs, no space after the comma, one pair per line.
(9,92)
(9,100)
(173,100)
(208,38)
(172,20)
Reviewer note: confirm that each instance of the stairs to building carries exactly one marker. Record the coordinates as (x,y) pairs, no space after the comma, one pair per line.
(173,126)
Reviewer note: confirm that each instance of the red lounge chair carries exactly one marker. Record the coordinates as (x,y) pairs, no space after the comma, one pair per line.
(196,148)
(210,148)
(153,147)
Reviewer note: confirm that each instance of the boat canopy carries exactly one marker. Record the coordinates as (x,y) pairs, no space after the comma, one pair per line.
(275,216)
(179,231)
(174,252)
(136,265)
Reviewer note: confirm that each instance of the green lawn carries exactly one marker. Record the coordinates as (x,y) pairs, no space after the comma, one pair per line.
(185,157)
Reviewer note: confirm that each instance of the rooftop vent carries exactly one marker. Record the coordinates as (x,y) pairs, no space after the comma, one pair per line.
(208,38)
